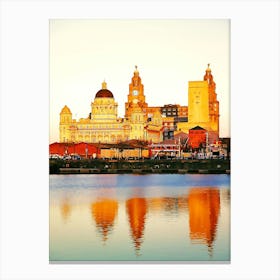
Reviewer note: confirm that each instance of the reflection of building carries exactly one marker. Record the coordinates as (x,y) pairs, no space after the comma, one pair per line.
(168,204)
(65,208)
(143,122)
(136,210)
(104,213)
(156,203)
(204,209)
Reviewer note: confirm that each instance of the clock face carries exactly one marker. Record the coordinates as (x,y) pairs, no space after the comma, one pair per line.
(135,92)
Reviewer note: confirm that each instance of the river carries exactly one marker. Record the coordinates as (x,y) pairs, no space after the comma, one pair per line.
(155,217)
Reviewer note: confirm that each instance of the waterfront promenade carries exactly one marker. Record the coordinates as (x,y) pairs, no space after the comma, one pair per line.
(99,166)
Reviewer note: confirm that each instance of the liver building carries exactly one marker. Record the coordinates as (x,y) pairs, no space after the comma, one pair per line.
(143,122)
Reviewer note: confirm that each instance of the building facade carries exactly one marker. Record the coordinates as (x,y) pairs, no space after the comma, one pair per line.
(203,106)
(101,126)
(143,122)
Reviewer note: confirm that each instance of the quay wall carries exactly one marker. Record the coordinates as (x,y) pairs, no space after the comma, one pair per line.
(205,166)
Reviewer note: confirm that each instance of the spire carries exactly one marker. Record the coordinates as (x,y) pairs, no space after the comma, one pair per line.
(104,85)
(208,76)
(136,80)
(136,72)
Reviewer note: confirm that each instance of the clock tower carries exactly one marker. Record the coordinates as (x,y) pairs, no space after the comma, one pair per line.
(136,95)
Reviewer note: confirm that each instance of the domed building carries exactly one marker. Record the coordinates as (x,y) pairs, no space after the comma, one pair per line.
(104,108)
(101,126)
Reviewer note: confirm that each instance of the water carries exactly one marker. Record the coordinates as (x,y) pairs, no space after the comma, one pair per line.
(139,217)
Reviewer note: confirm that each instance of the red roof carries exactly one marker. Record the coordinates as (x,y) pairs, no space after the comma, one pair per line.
(82,148)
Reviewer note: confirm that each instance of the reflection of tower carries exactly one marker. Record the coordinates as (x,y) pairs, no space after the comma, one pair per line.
(136,209)
(204,208)
(65,208)
(104,213)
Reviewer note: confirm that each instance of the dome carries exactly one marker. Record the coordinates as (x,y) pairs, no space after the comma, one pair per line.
(104,92)
(65,110)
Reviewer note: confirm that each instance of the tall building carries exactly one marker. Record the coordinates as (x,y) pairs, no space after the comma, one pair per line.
(203,106)
(143,122)
(136,95)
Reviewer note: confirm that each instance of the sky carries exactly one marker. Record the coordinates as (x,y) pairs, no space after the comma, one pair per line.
(168,53)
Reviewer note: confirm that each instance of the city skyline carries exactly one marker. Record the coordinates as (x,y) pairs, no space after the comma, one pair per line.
(168,53)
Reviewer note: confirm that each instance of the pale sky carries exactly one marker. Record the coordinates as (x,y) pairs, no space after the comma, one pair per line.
(168,53)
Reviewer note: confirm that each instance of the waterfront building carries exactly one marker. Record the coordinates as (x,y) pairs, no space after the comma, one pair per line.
(83,149)
(203,106)
(128,149)
(143,122)
(197,136)
(154,128)
(101,126)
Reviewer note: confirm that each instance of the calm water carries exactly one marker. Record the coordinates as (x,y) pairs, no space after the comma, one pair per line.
(139,217)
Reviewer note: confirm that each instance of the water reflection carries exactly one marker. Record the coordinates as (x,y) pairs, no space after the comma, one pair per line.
(168,205)
(139,223)
(201,203)
(65,209)
(204,209)
(136,209)
(104,213)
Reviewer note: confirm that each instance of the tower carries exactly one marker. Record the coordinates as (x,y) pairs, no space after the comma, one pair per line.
(203,107)
(198,103)
(137,122)
(65,134)
(136,95)
(213,102)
